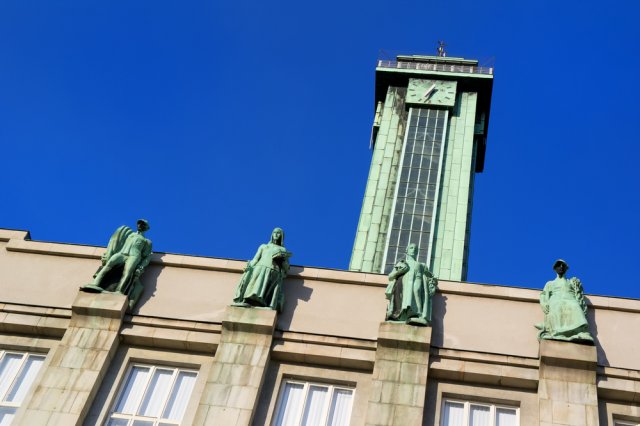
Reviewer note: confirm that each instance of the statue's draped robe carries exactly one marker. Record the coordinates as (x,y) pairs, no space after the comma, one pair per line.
(261,284)
(565,311)
(410,294)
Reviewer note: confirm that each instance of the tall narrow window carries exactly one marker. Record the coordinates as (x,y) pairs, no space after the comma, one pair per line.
(18,371)
(465,413)
(152,396)
(313,404)
(416,194)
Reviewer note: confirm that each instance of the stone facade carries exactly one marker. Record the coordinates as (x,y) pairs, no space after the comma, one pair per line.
(399,380)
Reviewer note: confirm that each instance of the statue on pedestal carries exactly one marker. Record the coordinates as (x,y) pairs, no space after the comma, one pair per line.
(410,290)
(127,255)
(565,308)
(261,282)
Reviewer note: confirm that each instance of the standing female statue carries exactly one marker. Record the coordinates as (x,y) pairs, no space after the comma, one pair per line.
(564,307)
(261,283)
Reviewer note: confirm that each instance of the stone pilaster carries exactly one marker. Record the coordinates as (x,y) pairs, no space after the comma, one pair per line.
(399,381)
(236,376)
(567,388)
(77,365)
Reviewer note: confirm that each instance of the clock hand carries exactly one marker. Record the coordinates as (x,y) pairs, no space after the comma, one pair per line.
(428,92)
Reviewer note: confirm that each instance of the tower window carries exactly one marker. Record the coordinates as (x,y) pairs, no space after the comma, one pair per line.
(416,191)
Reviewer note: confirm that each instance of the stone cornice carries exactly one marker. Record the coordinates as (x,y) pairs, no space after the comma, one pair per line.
(17,243)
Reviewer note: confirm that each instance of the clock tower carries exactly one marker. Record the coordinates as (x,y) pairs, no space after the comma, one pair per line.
(428,140)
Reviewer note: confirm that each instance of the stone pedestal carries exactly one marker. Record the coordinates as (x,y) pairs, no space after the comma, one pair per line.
(78,364)
(399,381)
(567,388)
(238,371)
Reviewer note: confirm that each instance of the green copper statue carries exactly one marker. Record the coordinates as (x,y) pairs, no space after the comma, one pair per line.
(564,307)
(127,255)
(410,290)
(261,283)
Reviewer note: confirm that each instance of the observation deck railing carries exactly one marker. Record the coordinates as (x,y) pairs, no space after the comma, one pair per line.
(434,67)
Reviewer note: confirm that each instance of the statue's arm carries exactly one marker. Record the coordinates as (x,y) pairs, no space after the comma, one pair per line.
(285,267)
(399,270)
(427,272)
(544,299)
(256,258)
(146,258)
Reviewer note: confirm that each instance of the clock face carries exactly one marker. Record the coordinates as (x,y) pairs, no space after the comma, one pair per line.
(431,92)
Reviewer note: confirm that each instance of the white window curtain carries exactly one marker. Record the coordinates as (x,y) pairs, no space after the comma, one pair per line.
(340,408)
(506,417)
(453,414)
(157,393)
(8,370)
(313,404)
(133,390)
(6,415)
(25,379)
(465,413)
(290,404)
(180,396)
(17,373)
(480,416)
(153,396)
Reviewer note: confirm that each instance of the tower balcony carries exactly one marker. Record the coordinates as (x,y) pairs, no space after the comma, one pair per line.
(433,65)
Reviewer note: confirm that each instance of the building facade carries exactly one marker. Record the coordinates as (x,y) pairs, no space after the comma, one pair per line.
(183,355)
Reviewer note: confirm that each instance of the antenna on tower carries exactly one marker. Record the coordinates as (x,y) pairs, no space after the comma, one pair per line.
(441,46)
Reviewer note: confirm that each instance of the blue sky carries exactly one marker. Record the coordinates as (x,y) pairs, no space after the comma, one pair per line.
(218,120)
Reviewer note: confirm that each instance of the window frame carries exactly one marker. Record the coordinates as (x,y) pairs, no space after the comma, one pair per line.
(332,387)
(13,380)
(621,422)
(113,414)
(493,407)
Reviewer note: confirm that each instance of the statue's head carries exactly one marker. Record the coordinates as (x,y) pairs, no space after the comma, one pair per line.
(561,267)
(277,236)
(412,250)
(143,225)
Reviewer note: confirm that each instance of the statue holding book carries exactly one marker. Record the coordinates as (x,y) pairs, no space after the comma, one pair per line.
(261,282)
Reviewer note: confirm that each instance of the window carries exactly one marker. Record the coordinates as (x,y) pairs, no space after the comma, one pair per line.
(18,370)
(313,404)
(416,196)
(465,413)
(624,423)
(152,396)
